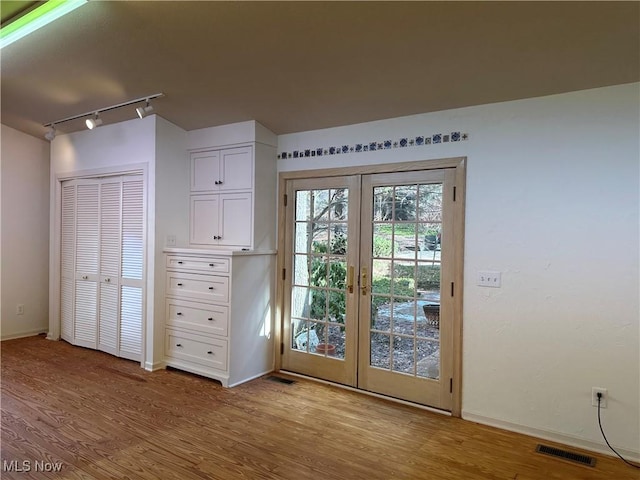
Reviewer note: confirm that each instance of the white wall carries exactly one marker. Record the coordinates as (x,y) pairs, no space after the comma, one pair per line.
(172,218)
(24,163)
(553,203)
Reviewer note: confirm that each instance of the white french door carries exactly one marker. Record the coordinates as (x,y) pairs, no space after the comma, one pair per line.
(102,264)
(370,264)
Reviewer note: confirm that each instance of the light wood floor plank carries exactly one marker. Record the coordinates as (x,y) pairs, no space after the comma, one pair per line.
(106,418)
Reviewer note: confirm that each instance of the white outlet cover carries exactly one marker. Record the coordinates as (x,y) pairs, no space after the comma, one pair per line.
(171,241)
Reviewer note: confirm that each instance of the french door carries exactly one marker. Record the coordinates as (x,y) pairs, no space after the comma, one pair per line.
(369,273)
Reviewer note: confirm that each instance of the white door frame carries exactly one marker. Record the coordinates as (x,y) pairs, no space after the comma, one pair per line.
(55,244)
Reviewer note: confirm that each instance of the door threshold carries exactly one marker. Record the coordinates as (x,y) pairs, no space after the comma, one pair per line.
(366,392)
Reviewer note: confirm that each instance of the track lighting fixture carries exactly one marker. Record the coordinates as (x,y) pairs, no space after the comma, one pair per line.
(93,122)
(51,133)
(144,111)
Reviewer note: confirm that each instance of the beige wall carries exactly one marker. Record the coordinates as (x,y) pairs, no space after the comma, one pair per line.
(24,234)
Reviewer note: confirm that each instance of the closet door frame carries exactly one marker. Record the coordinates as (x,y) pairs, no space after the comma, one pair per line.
(55,244)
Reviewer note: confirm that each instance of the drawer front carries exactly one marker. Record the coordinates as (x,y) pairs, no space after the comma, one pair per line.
(212,319)
(198,264)
(203,287)
(206,351)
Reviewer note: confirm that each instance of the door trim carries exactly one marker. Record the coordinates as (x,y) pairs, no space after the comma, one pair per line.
(55,244)
(457,163)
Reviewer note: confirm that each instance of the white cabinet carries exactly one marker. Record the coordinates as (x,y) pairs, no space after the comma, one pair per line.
(222,170)
(222,219)
(102,264)
(218,316)
(232,198)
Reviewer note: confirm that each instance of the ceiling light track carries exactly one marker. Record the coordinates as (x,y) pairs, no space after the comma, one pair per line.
(95,119)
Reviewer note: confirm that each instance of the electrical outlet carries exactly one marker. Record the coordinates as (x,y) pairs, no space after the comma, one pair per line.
(489,279)
(20,309)
(594,397)
(171,241)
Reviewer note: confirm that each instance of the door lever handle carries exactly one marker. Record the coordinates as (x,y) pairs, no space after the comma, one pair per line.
(363,281)
(350,279)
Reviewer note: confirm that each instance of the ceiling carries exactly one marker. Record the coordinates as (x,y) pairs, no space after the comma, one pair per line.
(296,66)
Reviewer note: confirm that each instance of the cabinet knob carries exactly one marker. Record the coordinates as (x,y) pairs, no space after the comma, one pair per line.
(212,264)
(178,313)
(85,277)
(178,344)
(108,280)
(209,352)
(210,319)
(210,288)
(217,237)
(179,284)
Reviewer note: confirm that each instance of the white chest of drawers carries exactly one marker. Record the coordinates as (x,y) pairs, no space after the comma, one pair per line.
(219,322)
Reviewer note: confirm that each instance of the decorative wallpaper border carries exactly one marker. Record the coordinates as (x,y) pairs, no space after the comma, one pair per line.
(419,141)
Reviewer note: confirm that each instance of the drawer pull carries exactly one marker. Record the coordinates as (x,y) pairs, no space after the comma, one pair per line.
(178,344)
(210,288)
(212,264)
(210,319)
(209,352)
(179,313)
(179,284)
(179,263)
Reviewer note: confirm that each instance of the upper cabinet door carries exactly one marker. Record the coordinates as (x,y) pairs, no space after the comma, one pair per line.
(222,170)
(205,172)
(236,169)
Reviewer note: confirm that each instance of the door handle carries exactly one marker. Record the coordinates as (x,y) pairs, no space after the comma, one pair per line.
(350,279)
(363,281)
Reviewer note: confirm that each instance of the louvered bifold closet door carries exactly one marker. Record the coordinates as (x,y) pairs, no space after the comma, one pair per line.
(132,278)
(68,248)
(110,221)
(86,281)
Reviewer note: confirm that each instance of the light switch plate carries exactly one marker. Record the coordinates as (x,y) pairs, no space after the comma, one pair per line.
(488,278)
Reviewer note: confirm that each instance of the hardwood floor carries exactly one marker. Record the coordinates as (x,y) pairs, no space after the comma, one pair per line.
(105,418)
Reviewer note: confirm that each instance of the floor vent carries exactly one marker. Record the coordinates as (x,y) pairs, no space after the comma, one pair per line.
(286,381)
(565,455)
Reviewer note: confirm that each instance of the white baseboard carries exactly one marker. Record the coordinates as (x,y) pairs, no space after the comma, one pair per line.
(552,436)
(152,367)
(29,333)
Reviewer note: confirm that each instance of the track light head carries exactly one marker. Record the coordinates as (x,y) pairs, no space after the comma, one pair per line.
(51,133)
(144,111)
(93,122)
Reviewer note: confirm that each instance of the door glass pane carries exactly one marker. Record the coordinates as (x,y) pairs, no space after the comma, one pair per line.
(320,272)
(405,300)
